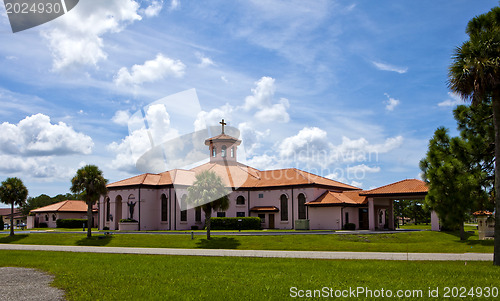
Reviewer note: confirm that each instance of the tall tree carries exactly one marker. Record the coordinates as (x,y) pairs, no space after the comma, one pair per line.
(13,192)
(209,193)
(475,75)
(453,186)
(90,183)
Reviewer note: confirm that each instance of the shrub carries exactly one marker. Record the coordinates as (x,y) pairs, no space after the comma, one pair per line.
(128,220)
(349,226)
(232,223)
(43,225)
(105,228)
(71,223)
(194,227)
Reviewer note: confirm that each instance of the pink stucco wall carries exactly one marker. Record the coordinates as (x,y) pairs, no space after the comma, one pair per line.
(150,207)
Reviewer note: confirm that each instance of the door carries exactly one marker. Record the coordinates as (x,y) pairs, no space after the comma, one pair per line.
(271,221)
(363,219)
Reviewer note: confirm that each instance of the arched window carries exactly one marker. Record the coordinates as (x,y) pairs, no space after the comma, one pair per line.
(54,217)
(284,207)
(183,212)
(232,152)
(223,151)
(108,209)
(164,208)
(302,206)
(240,200)
(214,151)
(46,217)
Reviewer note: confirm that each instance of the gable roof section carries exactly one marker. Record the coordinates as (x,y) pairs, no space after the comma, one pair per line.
(404,187)
(332,198)
(64,206)
(235,174)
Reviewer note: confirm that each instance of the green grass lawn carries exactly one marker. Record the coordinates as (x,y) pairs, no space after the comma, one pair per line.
(421,241)
(86,276)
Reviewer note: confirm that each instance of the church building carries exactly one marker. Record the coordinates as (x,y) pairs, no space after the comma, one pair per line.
(282,198)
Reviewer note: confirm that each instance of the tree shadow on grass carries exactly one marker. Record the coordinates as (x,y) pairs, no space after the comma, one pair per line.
(11,239)
(95,241)
(218,243)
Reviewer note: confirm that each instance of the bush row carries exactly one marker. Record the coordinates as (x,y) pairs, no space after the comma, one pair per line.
(70,223)
(232,223)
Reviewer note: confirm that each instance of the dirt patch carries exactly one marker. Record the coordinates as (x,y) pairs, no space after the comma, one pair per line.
(27,284)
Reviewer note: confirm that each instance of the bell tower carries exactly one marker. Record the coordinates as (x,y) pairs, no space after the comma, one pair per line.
(223,148)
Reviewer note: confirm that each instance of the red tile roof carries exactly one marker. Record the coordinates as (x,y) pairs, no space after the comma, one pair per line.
(404,187)
(346,198)
(64,206)
(481,212)
(265,209)
(223,137)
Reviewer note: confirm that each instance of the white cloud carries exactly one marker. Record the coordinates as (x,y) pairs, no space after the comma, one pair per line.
(307,141)
(121,117)
(151,71)
(362,168)
(37,136)
(453,101)
(140,140)
(261,99)
(206,119)
(262,94)
(391,103)
(360,150)
(204,61)
(76,38)
(276,112)
(154,9)
(175,4)
(251,138)
(388,67)
(224,79)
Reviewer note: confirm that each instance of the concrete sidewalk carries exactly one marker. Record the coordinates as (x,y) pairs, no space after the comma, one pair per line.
(258,253)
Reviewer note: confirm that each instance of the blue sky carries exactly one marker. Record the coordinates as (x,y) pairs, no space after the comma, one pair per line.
(351,90)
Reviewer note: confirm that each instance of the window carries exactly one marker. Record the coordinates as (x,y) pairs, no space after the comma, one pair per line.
(284,207)
(240,214)
(54,217)
(347,217)
(108,209)
(232,152)
(197,214)
(46,217)
(240,200)
(214,151)
(221,214)
(302,206)
(261,195)
(223,151)
(262,218)
(164,208)
(183,212)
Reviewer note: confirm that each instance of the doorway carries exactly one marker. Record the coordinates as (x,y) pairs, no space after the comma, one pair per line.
(271,221)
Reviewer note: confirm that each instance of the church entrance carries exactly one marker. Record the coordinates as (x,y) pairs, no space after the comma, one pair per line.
(363,219)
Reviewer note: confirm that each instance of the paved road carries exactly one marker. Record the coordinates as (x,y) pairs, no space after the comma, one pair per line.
(258,253)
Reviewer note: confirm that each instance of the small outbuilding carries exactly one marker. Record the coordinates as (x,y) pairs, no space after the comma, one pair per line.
(68,209)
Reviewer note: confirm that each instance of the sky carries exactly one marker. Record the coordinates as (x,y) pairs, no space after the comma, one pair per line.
(349,90)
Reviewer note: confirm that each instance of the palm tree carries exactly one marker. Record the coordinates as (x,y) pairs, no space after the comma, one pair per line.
(475,76)
(90,182)
(13,192)
(209,193)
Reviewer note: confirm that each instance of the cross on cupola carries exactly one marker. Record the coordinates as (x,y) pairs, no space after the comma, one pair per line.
(223,124)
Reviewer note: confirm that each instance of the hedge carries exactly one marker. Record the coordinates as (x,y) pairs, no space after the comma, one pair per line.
(71,223)
(128,220)
(232,223)
(350,226)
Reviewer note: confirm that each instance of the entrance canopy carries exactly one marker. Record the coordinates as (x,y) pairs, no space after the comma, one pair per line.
(406,189)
